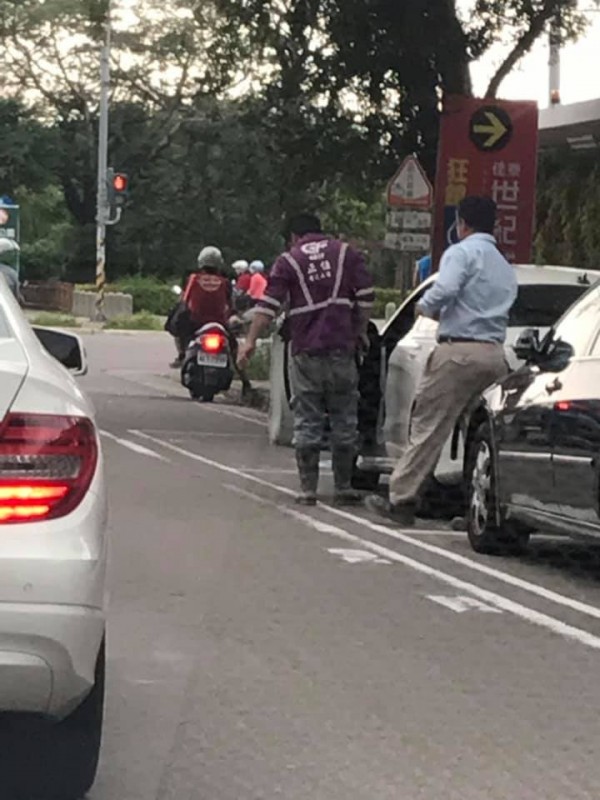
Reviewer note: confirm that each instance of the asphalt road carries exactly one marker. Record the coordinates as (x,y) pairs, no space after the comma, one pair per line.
(257,651)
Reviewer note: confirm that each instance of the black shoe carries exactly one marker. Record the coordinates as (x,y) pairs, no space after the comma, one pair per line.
(402,514)
(347,497)
(306,500)
(177,363)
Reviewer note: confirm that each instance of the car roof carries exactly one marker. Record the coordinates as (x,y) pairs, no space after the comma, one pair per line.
(527,274)
(534,273)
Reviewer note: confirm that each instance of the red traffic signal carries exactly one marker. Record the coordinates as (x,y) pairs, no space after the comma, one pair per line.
(120,183)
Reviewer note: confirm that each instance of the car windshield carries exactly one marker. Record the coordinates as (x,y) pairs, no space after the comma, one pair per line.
(541,305)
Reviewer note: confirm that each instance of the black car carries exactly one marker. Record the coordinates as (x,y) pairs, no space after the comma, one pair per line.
(533,450)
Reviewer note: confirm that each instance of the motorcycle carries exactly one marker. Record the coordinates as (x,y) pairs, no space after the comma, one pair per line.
(207,368)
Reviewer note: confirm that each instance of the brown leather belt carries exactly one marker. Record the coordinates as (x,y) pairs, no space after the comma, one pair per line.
(460,340)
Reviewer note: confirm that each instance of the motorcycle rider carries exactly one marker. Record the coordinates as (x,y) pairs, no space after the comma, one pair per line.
(207,298)
(207,294)
(258,282)
(242,275)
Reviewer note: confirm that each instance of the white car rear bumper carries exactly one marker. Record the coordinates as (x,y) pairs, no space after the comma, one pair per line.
(47,656)
(52,607)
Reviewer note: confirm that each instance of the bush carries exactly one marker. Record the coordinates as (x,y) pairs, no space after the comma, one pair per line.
(259,366)
(54,319)
(137,322)
(148,293)
(382,298)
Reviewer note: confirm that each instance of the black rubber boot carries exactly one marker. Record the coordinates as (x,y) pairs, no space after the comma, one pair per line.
(342,459)
(307,459)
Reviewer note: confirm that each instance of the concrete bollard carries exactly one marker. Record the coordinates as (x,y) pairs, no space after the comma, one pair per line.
(116,304)
(390,308)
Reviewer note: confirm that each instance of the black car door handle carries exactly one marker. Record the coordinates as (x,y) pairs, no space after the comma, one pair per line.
(555,386)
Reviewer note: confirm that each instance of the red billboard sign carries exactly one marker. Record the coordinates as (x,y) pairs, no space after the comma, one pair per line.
(488,147)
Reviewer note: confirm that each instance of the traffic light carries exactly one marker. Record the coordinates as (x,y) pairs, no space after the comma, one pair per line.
(117,189)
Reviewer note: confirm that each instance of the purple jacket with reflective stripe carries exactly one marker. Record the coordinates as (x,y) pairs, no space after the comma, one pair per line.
(323,281)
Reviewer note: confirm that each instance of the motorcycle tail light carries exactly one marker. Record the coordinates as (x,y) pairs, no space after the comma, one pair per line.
(212,342)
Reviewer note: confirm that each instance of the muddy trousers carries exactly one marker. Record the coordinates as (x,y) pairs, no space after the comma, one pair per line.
(325,389)
(455,374)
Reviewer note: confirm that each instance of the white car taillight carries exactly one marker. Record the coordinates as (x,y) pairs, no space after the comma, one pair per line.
(47,463)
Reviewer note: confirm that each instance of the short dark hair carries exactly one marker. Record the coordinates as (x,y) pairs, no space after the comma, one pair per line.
(478,213)
(303,224)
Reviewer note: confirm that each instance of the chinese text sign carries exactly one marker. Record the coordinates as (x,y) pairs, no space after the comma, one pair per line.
(488,147)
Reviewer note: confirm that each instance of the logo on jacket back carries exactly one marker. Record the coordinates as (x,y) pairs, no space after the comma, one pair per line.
(319,268)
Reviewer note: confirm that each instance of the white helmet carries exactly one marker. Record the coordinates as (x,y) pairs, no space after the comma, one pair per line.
(210,257)
(240,266)
(8,245)
(257,266)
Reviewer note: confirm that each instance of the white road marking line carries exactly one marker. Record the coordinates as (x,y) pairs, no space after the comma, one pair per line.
(505,577)
(496,600)
(357,556)
(219,409)
(463,603)
(137,448)
(512,580)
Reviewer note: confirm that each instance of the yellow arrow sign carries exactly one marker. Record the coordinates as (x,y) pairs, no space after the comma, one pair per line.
(496,129)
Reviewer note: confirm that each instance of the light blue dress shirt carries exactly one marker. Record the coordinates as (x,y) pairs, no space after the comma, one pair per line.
(474,291)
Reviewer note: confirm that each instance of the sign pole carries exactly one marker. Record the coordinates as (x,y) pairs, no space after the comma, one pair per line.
(102,211)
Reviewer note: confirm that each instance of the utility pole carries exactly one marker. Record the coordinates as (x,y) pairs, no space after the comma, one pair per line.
(554,64)
(102,212)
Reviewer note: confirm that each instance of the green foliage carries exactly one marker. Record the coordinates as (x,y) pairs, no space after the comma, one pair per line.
(382,298)
(260,364)
(569,209)
(46,231)
(332,94)
(149,294)
(137,322)
(54,319)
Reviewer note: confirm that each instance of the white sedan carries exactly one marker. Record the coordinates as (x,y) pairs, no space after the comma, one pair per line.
(392,370)
(53,548)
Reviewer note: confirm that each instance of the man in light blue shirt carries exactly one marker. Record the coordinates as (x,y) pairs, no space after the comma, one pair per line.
(471,298)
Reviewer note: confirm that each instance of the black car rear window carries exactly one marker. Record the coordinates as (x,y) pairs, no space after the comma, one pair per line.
(541,305)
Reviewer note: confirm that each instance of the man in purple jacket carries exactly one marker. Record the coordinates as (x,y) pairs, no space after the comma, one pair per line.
(329,295)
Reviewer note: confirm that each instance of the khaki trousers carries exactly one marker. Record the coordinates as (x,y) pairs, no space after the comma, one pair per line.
(455,374)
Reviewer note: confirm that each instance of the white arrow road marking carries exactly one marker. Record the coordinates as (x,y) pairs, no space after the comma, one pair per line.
(535,617)
(496,600)
(463,603)
(357,556)
(137,448)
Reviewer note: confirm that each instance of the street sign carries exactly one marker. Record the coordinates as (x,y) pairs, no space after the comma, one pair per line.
(410,187)
(490,129)
(408,242)
(488,148)
(408,220)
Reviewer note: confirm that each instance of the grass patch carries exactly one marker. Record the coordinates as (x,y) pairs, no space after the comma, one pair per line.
(136,322)
(260,364)
(54,319)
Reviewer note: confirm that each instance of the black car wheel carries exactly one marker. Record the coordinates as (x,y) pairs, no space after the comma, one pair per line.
(485,534)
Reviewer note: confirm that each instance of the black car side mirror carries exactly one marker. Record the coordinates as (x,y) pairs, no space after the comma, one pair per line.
(527,346)
(65,347)
(555,356)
